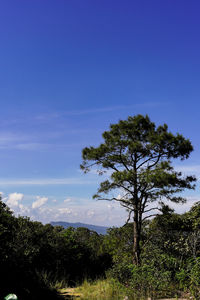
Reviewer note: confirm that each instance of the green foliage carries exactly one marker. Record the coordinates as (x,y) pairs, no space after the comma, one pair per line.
(189,277)
(146,280)
(153,277)
(118,241)
(168,264)
(149,281)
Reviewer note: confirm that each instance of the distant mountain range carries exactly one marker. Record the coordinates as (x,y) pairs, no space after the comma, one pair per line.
(98,229)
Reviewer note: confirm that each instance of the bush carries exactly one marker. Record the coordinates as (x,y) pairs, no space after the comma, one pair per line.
(147,280)
(189,277)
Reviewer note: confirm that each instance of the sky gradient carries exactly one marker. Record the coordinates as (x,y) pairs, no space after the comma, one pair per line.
(70,68)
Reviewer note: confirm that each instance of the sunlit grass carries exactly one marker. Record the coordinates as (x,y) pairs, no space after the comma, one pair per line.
(107,289)
(102,290)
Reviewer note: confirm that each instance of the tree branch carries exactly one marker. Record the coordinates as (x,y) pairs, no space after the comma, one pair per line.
(120,153)
(154,215)
(145,211)
(128,219)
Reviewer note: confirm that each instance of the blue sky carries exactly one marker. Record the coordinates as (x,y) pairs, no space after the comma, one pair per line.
(70,68)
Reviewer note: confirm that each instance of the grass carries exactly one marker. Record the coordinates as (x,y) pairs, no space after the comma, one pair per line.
(108,289)
(102,290)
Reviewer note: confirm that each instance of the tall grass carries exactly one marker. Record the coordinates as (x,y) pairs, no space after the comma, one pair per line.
(51,280)
(108,289)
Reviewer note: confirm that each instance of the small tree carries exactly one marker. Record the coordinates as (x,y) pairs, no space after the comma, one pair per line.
(139,156)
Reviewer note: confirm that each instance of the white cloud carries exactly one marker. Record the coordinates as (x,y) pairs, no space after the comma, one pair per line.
(14,199)
(112,108)
(84,210)
(31,146)
(9,137)
(182,208)
(67,200)
(48,117)
(122,196)
(39,202)
(45,209)
(45,181)
(189,170)
(65,210)
(90,213)
(23,210)
(110,206)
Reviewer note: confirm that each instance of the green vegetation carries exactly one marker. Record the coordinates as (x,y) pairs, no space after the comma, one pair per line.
(37,260)
(160,258)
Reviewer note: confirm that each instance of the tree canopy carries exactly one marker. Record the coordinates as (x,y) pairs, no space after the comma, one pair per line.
(139,156)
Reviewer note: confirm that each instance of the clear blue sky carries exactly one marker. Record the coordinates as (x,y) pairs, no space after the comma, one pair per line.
(70,68)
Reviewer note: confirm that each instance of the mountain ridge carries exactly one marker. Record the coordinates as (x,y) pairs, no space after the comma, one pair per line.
(99,229)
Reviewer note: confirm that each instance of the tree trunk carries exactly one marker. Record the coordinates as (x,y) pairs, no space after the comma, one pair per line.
(136,239)
(136,225)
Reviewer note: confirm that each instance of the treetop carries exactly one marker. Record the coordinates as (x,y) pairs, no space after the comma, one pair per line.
(136,139)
